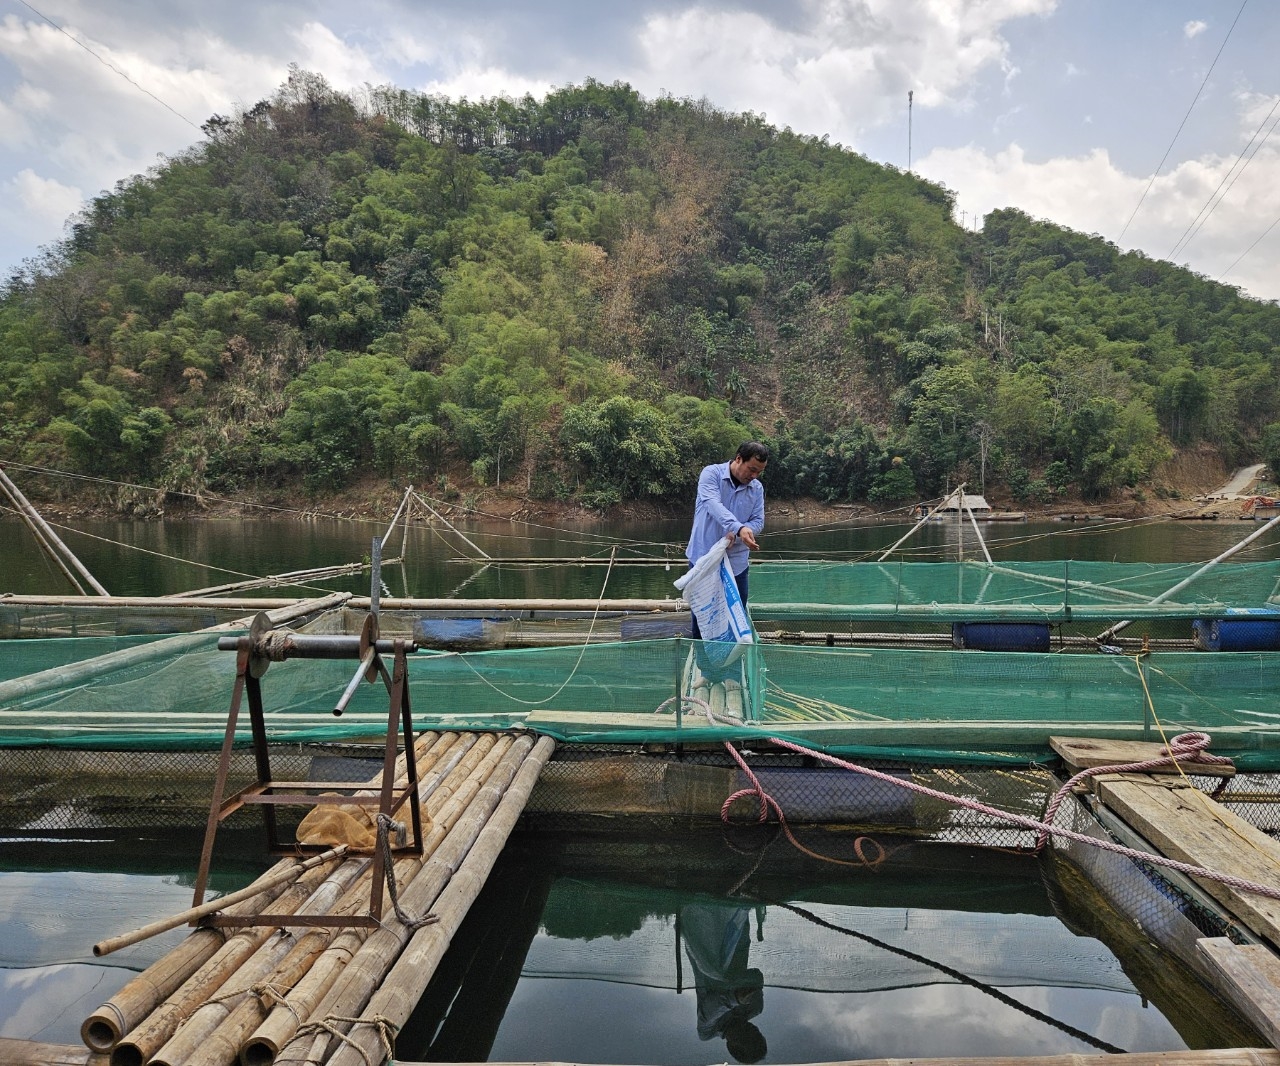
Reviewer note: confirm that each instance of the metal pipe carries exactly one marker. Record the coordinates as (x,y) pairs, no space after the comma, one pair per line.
(366,661)
(1107,633)
(311,646)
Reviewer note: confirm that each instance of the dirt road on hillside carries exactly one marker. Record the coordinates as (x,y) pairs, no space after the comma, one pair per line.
(1240,484)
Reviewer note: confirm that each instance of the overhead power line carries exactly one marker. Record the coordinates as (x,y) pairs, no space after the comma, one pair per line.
(1249,249)
(109,65)
(1202,216)
(1165,157)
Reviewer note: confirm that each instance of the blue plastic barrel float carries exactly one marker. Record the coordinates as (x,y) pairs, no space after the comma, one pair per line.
(1000,636)
(1246,630)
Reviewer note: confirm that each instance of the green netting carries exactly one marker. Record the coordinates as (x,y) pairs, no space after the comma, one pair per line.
(1044,591)
(898,702)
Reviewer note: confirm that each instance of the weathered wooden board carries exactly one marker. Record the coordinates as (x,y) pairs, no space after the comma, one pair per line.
(1083,753)
(968,736)
(1184,824)
(1250,978)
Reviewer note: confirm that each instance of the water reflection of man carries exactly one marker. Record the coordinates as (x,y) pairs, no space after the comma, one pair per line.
(717,940)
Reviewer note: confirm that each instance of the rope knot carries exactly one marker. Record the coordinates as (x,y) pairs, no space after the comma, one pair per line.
(1190,747)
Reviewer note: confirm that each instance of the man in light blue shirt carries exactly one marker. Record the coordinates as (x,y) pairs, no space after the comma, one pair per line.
(730,505)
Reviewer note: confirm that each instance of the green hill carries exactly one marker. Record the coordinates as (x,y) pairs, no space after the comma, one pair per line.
(587,297)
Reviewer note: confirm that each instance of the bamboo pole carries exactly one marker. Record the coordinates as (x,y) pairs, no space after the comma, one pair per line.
(44,544)
(923,519)
(222,1046)
(402,986)
(1106,634)
(451,604)
(266,947)
(391,526)
(139,1042)
(244,1027)
(194,914)
(20,687)
(33,517)
(282,1024)
(377,954)
(479,551)
(247,603)
(103,1029)
(136,1004)
(290,577)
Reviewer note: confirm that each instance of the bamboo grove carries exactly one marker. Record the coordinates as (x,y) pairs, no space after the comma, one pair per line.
(586,297)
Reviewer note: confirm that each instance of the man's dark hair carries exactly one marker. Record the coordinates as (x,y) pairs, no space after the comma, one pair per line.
(753,449)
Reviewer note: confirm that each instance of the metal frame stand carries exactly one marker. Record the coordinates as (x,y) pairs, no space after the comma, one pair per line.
(254,653)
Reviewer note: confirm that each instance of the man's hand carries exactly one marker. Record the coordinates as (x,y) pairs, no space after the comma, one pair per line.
(748,537)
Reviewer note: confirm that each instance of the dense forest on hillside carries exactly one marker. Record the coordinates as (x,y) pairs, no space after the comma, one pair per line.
(587,297)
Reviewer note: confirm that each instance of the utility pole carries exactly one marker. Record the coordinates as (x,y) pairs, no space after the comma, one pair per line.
(910,93)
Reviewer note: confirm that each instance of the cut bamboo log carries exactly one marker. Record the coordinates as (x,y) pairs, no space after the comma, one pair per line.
(162,997)
(104,1028)
(139,1044)
(222,1045)
(340,945)
(376,956)
(283,1023)
(402,986)
(196,1029)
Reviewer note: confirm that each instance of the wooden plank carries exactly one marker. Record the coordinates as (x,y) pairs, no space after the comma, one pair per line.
(1184,824)
(1083,753)
(1250,976)
(968,735)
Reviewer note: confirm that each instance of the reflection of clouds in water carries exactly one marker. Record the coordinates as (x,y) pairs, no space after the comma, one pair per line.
(48,918)
(50,1002)
(953,1020)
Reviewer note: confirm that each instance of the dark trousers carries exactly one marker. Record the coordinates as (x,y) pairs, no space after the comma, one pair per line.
(738,579)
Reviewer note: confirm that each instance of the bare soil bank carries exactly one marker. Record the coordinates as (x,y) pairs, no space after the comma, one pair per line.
(1171,492)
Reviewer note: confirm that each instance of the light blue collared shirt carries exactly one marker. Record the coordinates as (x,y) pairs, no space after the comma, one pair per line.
(723,508)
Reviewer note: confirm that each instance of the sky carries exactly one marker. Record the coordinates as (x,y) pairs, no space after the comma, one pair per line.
(1146,122)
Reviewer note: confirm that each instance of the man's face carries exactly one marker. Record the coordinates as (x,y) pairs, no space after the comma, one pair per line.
(746,471)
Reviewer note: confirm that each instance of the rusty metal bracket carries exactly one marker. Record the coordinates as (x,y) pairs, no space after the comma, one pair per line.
(255,652)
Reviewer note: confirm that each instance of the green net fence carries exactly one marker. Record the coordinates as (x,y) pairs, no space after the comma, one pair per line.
(1042,591)
(950,704)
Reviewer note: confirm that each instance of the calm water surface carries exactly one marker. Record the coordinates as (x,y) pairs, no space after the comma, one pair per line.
(651,956)
(661,950)
(159,558)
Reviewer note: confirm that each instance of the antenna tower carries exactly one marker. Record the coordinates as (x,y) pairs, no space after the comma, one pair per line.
(910,94)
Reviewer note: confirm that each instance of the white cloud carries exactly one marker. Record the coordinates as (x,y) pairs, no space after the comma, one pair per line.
(1089,193)
(344,65)
(1194,29)
(45,197)
(34,208)
(845,70)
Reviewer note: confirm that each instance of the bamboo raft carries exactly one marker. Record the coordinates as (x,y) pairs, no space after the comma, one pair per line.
(265,994)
